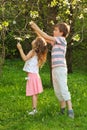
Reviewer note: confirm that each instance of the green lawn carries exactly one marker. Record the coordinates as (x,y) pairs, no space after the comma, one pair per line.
(14,103)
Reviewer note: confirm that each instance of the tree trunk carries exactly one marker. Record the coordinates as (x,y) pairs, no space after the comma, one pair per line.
(2,58)
(69,58)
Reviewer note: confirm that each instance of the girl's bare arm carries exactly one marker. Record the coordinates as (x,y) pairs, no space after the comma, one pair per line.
(23,56)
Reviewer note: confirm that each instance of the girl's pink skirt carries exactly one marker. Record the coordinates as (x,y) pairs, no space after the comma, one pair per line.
(34,84)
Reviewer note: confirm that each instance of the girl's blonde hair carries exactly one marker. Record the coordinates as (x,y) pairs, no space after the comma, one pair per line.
(40,47)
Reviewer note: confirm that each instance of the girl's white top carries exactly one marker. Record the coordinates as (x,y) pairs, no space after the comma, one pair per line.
(31,65)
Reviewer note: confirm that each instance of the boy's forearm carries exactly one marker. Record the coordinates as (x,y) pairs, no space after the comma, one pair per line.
(37,34)
(40,32)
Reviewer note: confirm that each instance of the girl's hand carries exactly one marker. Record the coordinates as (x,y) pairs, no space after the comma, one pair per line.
(19,46)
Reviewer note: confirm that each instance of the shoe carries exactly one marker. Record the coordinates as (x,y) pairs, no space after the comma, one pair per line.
(32,112)
(62,111)
(71,114)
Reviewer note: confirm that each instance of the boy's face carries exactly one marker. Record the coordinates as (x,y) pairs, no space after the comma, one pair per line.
(57,32)
(33,43)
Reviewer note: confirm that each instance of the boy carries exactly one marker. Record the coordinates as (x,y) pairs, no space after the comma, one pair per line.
(59,67)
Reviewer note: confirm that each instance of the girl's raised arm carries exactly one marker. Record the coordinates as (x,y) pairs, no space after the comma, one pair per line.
(23,56)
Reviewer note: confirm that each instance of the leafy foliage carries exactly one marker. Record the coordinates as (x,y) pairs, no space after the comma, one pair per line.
(16,14)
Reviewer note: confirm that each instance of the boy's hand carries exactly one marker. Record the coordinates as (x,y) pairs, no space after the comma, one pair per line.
(19,46)
(33,24)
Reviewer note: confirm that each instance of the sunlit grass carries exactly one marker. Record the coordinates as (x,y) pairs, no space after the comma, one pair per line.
(14,103)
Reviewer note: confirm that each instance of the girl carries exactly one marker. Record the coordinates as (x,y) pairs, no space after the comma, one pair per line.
(33,60)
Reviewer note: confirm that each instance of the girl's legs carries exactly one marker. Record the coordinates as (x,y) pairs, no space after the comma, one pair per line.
(34,101)
(34,105)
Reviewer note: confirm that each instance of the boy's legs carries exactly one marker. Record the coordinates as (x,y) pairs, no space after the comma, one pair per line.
(69,104)
(63,104)
(61,88)
(70,110)
(59,75)
(62,107)
(57,88)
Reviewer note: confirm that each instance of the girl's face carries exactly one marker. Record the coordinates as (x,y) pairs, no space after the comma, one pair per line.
(57,32)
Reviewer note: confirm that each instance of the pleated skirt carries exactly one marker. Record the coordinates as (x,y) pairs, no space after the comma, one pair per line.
(34,84)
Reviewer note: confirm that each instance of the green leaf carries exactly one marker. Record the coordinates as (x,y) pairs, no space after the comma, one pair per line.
(5,24)
(0,27)
(34,14)
(76,37)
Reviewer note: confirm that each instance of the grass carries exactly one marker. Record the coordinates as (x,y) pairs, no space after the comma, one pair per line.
(14,103)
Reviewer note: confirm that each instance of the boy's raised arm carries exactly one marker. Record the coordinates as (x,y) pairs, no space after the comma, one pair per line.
(41,33)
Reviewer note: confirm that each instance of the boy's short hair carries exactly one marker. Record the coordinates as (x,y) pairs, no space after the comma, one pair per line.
(63,27)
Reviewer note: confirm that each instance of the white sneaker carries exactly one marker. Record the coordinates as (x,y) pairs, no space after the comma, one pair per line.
(33,112)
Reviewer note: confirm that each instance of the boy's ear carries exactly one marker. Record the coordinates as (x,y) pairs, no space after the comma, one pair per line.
(61,33)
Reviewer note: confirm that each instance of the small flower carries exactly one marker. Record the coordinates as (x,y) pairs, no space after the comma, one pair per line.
(14,22)
(18,38)
(27,36)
